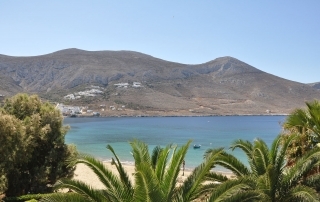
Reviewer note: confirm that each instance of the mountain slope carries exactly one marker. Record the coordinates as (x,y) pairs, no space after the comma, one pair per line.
(315,85)
(222,86)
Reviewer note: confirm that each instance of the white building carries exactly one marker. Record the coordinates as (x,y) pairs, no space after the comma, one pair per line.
(69,97)
(136,85)
(122,85)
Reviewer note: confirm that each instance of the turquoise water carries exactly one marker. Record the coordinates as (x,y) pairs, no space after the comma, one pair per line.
(91,135)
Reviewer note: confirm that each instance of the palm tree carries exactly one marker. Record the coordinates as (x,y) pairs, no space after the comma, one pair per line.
(306,123)
(156,177)
(267,177)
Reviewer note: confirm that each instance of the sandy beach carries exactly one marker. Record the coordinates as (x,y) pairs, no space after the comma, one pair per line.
(83,173)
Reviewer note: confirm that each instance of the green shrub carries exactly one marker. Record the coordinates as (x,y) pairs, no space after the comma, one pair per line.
(33,150)
(28,197)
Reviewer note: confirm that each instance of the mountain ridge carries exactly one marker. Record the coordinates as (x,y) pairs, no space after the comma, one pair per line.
(221,86)
(315,85)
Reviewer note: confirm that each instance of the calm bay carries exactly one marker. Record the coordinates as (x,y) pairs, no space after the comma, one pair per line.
(91,135)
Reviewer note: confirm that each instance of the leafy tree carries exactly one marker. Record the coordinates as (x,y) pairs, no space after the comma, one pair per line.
(32,137)
(156,177)
(13,146)
(267,177)
(306,123)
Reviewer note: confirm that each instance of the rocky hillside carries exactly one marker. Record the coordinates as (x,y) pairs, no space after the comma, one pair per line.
(144,85)
(315,85)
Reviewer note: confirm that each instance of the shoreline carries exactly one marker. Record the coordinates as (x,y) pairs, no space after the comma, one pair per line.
(141,116)
(84,174)
(187,168)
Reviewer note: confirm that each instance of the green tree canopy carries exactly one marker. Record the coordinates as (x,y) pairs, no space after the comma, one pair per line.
(32,146)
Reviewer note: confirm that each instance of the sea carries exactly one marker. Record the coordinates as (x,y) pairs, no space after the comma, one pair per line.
(92,135)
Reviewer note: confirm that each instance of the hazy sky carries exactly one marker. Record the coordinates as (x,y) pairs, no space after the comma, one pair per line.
(278,37)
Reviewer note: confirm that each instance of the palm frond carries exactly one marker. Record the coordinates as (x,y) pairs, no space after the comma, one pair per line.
(314,120)
(301,193)
(155,156)
(297,121)
(170,178)
(280,156)
(215,177)
(264,185)
(146,184)
(81,188)
(190,186)
(246,196)
(312,181)
(244,145)
(274,150)
(203,190)
(109,179)
(230,189)
(160,167)
(233,164)
(64,197)
(122,173)
(302,167)
(140,152)
(261,156)
(273,179)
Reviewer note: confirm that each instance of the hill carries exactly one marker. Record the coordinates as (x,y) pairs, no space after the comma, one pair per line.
(315,85)
(139,84)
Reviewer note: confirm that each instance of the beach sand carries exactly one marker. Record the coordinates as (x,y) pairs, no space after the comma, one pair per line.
(84,174)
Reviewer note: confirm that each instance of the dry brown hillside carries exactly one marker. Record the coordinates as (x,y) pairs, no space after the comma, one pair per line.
(151,86)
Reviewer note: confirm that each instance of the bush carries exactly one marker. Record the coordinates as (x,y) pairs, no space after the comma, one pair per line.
(28,197)
(33,152)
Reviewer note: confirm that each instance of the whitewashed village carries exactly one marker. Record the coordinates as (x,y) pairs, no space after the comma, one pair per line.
(93,91)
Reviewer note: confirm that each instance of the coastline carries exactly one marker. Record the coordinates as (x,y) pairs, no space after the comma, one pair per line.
(216,115)
(210,133)
(91,135)
(84,174)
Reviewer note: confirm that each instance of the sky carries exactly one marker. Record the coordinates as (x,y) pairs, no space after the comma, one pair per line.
(279,37)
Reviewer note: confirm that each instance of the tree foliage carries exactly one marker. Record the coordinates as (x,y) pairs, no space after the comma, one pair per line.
(305,123)
(156,178)
(268,177)
(32,146)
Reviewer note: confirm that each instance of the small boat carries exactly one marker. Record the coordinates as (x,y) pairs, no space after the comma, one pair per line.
(196,146)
